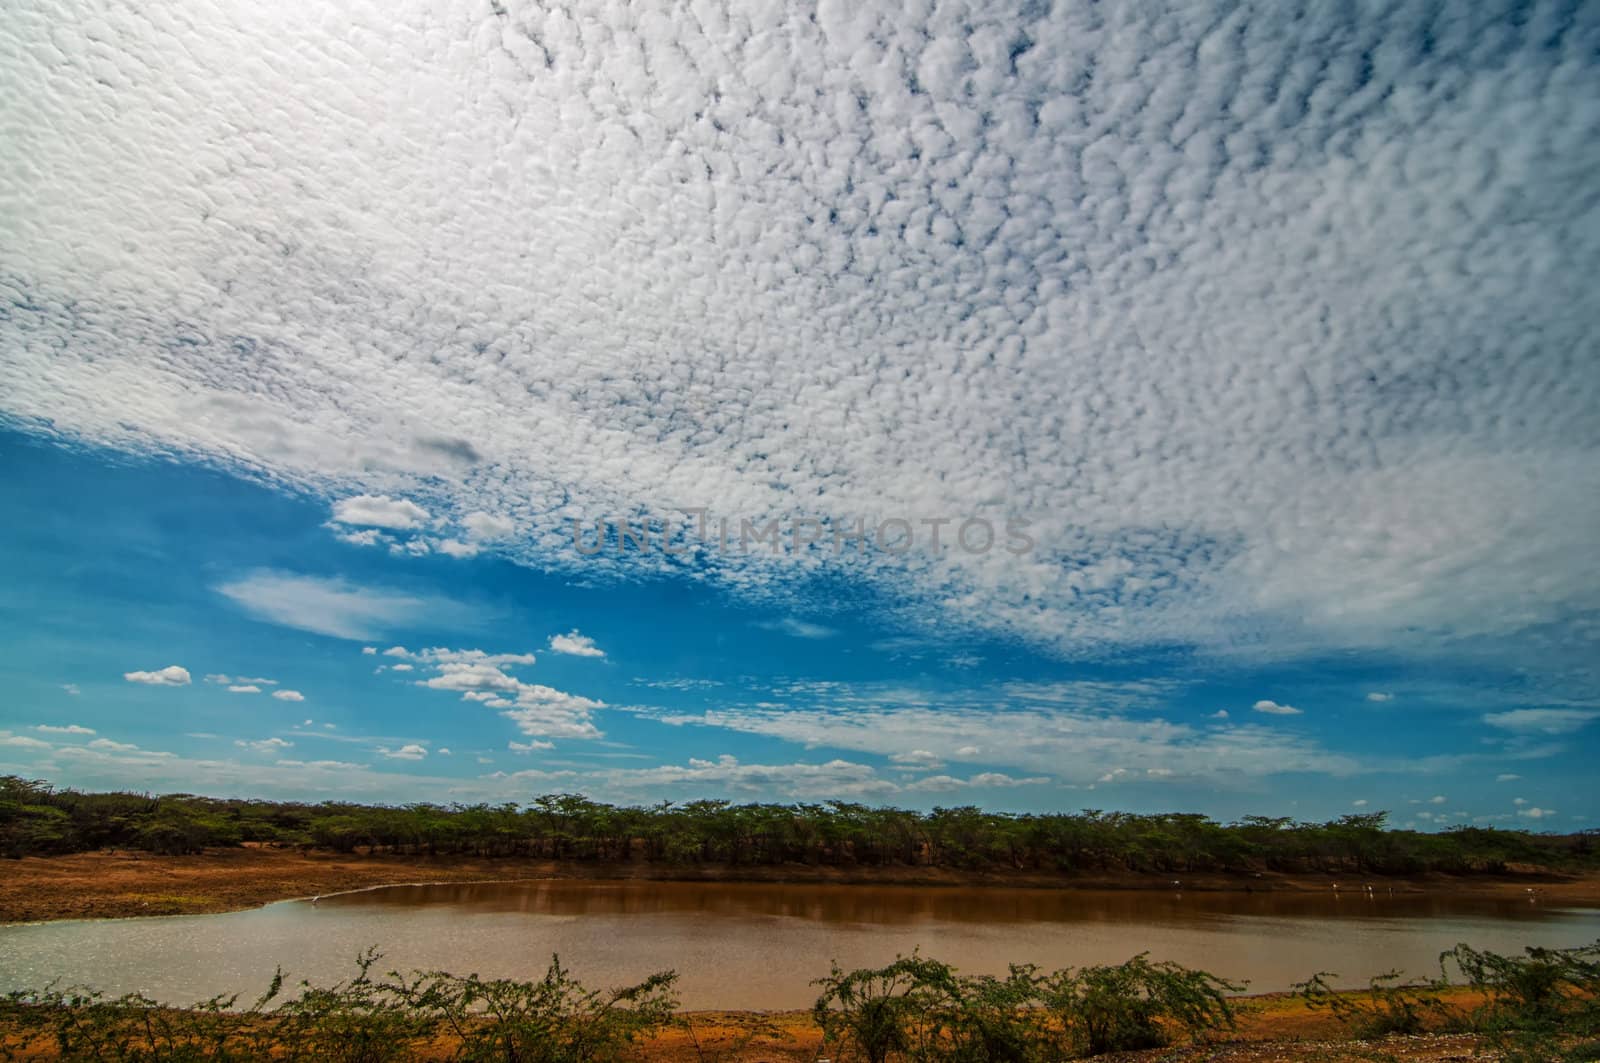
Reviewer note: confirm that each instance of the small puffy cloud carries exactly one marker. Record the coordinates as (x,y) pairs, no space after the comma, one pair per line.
(1534,812)
(69,729)
(244,688)
(1541,721)
(380,511)
(265,745)
(288,695)
(1509,776)
(170,676)
(488,526)
(369,651)
(409,751)
(1220,714)
(1362,803)
(1380,696)
(363,537)
(457,548)
(443,751)
(1272,708)
(401,668)
(21,741)
(575,645)
(71,688)
(108,746)
(1436,799)
(528,747)
(1519,800)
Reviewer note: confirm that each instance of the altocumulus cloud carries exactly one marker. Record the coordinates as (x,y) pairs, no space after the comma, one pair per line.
(1131,274)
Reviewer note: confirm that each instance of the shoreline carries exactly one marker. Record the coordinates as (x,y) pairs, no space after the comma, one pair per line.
(103,885)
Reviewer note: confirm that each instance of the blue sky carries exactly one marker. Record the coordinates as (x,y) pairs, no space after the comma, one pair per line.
(306,661)
(1243,362)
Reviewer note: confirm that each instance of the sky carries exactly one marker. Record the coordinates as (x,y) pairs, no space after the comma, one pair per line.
(1038,406)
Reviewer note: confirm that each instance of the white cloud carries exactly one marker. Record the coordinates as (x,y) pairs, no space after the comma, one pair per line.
(1220,714)
(402,667)
(1272,708)
(21,741)
(457,548)
(170,676)
(443,751)
(1379,696)
(575,644)
(369,651)
(529,747)
(1536,813)
(265,745)
(380,511)
(917,758)
(800,629)
(488,526)
(108,746)
(1507,777)
(1362,803)
(249,688)
(333,607)
(1436,799)
(288,695)
(1541,721)
(71,688)
(69,729)
(1124,303)
(409,751)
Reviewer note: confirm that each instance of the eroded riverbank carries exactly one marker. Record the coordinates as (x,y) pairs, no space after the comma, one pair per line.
(107,885)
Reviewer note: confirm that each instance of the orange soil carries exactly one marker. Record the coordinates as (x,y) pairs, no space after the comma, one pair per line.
(107,884)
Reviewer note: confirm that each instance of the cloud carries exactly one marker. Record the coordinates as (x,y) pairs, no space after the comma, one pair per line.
(575,644)
(108,746)
(21,741)
(334,607)
(1437,799)
(369,650)
(409,751)
(488,526)
(265,745)
(800,629)
(71,688)
(249,688)
(1533,812)
(380,511)
(1362,803)
(917,758)
(288,695)
(457,548)
(1272,708)
(1134,280)
(1220,714)
(529,747)
(1379,697)
(1507,777)
(1541,721)
(69,729)
(170,676)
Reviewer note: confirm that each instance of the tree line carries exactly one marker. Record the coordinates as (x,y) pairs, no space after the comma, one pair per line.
(39,819)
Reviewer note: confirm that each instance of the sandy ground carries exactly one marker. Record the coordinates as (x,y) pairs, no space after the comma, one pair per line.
(110,884)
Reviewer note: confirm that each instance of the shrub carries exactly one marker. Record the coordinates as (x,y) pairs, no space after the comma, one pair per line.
(1135,1004)
(1390,1006)
(880,1011)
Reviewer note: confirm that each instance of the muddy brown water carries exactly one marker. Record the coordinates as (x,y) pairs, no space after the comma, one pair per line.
(757,945)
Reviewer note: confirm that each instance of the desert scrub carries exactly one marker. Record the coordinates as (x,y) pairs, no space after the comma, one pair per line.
(366,1019)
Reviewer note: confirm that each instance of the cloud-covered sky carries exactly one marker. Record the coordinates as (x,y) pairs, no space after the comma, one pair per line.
(1269,332)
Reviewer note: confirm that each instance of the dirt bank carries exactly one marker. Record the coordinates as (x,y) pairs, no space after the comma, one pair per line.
(1270,1029)
(107,884)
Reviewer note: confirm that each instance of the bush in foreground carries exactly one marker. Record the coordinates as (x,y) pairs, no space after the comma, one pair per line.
(919,1009)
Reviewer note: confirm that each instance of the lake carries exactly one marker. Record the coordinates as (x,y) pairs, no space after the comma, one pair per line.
(758,945)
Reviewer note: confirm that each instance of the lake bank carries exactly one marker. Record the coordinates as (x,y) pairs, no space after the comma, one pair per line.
(1273,1027)
(110,885)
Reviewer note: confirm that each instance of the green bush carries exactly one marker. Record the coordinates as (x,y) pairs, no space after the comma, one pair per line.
(1389,1006)
(1135,1004)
